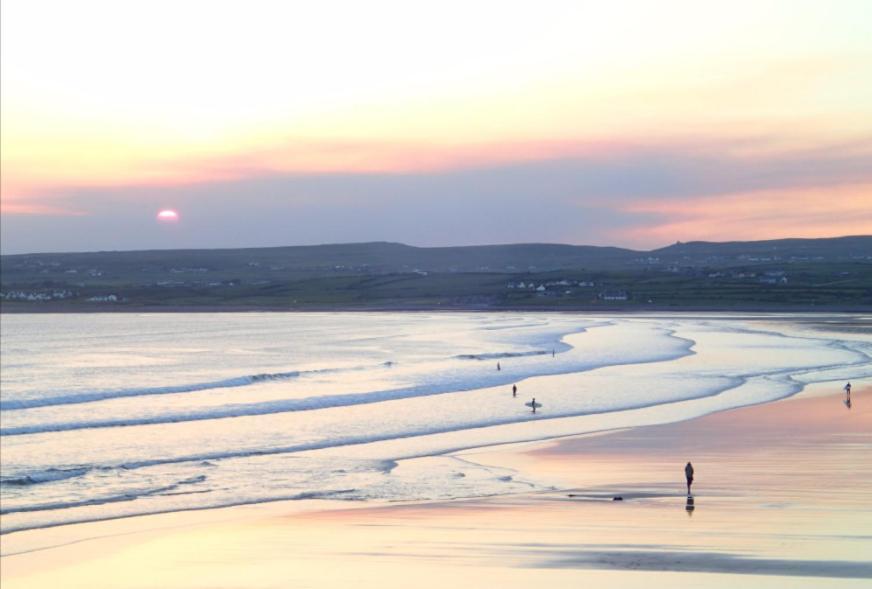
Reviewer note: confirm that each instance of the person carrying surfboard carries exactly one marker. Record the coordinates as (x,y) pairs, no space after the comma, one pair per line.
(688,473)
(533,404)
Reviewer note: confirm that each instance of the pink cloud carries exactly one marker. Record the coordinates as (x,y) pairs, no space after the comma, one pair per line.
(766,214)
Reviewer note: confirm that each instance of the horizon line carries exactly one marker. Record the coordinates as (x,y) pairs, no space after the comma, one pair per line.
(429,247)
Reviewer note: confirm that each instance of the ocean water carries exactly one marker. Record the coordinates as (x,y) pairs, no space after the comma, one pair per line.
(114,415)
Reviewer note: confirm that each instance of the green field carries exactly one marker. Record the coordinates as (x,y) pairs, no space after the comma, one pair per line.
(791,274)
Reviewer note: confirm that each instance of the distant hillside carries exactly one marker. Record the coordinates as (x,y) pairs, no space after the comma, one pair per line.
(785,249)
(787,272)
(377,257)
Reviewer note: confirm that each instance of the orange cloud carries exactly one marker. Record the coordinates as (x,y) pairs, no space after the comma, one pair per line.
(24,207)
(766,214)
(296,156)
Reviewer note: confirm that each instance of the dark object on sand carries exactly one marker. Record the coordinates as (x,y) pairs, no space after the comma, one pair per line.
(576,495)
(688,473)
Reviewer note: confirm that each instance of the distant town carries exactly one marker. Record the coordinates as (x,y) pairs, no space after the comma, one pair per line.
(818,273)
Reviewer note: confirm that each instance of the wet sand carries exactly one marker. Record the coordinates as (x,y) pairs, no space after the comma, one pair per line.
(781,499)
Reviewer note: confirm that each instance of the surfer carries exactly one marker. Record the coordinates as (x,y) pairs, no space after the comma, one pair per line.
(533,404)
(514,390)
(498,366)
(688,473)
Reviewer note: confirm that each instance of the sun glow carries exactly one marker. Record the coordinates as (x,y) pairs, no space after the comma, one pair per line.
(168,216)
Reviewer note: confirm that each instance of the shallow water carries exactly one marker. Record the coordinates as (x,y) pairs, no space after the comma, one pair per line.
(113,415)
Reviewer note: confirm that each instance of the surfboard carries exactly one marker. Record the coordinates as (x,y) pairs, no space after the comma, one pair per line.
(535,405)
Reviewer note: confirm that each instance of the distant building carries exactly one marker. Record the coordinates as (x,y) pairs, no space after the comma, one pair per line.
(110,298)
(616,295)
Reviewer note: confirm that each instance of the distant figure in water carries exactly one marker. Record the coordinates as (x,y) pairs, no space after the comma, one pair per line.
(514,390)
(534,404)
(552,352)
(688,473)
(498,366)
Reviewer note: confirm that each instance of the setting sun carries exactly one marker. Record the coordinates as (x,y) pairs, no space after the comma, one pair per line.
(168,216)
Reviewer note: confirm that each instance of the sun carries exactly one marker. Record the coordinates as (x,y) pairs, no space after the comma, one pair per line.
(168,216)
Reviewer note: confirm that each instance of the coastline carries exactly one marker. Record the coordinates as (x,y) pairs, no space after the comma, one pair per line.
(769,476)
(25,308)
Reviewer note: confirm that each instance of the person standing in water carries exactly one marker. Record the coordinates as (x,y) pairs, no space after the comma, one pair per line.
(533,404)
(514,390)
(498,366)
(688,473)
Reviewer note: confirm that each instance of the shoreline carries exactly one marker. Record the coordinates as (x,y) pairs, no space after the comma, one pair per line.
(26,308)
(625,461)
(701,402)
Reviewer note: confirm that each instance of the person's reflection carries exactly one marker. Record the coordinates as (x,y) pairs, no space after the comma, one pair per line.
(689,506)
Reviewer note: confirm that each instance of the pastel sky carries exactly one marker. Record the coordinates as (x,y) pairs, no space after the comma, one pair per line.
(632,123)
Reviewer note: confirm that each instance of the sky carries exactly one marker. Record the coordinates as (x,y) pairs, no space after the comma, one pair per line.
(630,123)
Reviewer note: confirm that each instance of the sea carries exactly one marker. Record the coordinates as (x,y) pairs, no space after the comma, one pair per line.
(113,415)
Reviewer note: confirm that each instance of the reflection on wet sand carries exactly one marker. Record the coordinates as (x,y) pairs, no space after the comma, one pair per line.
(690,506)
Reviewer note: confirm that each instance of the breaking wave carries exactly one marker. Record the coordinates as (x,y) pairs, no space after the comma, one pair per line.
(94,396)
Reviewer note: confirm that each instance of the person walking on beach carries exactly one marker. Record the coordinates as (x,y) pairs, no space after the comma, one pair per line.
(688,473)
(498,366)
(514,390)
(848,389)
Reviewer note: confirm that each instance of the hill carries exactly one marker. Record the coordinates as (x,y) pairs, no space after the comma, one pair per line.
(829,273)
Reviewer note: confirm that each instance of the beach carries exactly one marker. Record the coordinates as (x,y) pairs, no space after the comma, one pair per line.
(436,295)
(781,499)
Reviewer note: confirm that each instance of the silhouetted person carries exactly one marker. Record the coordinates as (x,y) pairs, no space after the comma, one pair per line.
(498,366)
(552,352)
(848,389)
(534,404)
(514,390)
(688,473)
